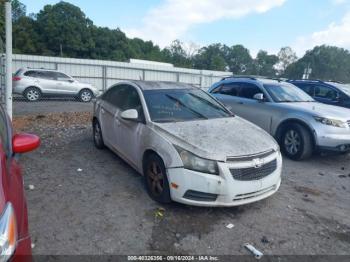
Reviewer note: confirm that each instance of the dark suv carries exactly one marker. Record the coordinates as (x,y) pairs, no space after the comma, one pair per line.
(331,93)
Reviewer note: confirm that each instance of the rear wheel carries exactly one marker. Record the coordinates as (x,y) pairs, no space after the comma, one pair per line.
(85,95)
(32,94)
(156,179)
(97,134)
(296,142)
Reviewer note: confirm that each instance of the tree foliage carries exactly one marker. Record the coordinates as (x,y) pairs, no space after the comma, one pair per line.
(63,29)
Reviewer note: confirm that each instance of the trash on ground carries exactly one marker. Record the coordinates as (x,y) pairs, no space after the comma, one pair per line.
(33,245)
(229,226)
(257,254)
(159,213)
(79,170)
(31,187)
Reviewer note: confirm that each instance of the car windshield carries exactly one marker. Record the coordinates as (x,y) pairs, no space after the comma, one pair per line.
(285,92)
(175,105)
(343,87)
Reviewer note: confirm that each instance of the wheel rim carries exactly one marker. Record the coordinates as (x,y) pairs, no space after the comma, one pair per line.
(292,142)
(155,179)
(85,96)
(97,134)
(33,95)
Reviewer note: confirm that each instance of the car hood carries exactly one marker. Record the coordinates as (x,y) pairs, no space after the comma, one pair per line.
(218,138)
(320,109)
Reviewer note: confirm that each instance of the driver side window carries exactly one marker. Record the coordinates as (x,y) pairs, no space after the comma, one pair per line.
(249,90)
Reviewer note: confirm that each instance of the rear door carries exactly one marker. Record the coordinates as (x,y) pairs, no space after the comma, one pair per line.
(47,81)
(129,133)
(326,94)
(108,111)
(228,95)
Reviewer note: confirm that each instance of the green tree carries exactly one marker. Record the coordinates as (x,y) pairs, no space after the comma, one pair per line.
(265,64)
(176,54)
(327,63)
(239,60)
(210,58)
(65,26)
(18,11)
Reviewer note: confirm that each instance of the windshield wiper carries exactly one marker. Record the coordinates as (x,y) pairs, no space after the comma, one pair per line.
(210,104)
(185,106)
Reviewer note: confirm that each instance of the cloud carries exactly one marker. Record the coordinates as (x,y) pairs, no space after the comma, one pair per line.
(174,18)
(339,2)
(336,34)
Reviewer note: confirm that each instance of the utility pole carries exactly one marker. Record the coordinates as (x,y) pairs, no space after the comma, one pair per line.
(8,86)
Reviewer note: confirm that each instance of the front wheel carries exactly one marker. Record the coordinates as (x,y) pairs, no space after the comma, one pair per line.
(296,142)
(97,134)
(156,179)
(85,95)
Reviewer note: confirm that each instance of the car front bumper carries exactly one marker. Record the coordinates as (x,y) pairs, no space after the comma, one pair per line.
(339,142)
(200,189)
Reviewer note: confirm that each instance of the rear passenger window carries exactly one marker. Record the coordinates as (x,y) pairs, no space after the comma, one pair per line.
(249,90)
(325,92)
(31,73)
(231,89)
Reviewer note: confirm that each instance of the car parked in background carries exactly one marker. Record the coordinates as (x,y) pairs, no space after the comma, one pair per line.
(36,83)
(15,241)
(299,123)
(188,146)
(331,93)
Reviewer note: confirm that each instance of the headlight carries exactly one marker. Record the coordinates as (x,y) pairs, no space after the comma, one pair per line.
(8,233)
(330,122)
(196,163)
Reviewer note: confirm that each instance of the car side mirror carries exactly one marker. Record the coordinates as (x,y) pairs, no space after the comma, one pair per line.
(23,143)
(71,81)
(130,114)
(259,97)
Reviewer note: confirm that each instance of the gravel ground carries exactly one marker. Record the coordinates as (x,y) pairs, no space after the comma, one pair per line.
(87,201)
(22,107)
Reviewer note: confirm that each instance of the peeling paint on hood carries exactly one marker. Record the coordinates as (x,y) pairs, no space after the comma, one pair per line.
(218,138)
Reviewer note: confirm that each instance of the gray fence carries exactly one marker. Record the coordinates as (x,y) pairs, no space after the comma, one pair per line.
(103,74)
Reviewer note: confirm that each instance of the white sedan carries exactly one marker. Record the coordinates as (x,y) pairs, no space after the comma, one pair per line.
(188,146)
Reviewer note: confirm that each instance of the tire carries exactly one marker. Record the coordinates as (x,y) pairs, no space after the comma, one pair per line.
(156,180)
(32,94)
(296,142)
(97,135)
(85,95)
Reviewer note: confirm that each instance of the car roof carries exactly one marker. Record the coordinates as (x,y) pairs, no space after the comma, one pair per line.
(250,79)
(38,69)
(156,85)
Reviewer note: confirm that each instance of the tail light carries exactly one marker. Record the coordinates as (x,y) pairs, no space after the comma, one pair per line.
(16,78)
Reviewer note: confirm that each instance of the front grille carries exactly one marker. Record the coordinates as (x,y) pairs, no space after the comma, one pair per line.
(253,173)
(249,157)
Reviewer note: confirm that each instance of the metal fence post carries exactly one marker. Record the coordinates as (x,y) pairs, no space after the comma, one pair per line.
(8,92)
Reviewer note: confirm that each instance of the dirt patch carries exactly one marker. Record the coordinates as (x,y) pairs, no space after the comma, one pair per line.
(22,123)
(307,190)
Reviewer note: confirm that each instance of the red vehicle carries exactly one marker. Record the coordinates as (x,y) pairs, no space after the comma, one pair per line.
(15,242)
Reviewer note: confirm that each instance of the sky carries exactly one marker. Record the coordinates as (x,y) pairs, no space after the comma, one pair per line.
(256,24)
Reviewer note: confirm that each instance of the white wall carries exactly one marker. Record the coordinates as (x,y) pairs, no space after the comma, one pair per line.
(103,73)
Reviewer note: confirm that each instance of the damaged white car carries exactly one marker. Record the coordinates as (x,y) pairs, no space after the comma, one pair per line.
(188,146)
